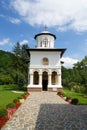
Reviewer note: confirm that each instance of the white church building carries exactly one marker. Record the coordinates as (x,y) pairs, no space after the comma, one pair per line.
(45,64)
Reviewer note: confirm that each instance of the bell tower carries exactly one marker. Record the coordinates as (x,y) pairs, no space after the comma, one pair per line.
(45,39)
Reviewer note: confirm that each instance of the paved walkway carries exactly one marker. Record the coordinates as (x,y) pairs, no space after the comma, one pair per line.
(47,111)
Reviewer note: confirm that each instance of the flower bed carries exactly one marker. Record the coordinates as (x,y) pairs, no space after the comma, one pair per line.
(17,104)
(3,117)
(11,109)
(25,96)
(73,101)
(6,114)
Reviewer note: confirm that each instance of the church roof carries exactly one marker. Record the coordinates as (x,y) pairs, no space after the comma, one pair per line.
(51,50)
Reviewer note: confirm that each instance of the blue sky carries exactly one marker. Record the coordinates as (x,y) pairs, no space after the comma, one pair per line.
(21,20)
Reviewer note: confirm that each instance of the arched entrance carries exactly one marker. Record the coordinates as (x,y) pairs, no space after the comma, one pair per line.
(45,81)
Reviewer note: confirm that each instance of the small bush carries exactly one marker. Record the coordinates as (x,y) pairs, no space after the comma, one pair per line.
(71,85)
(16,100)
(3,112)
(20,97)
(68,98)
(61,93)
(80,89)
(74,101)
(10,105)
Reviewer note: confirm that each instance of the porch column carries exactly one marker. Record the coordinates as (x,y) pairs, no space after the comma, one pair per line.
(40,79)
(59,79)
(49,79)
(31,79)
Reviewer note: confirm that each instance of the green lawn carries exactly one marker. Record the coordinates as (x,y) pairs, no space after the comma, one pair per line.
(82,99)
(6,94)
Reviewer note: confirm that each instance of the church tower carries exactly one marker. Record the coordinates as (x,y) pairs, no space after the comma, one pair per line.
(45,65)
(45,40)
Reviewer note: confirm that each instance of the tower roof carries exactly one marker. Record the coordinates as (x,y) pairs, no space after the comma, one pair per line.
(45,33)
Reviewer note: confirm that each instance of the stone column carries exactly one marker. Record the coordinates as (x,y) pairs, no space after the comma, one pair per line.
(49,79)
(31,79)
(40,79)
(59,79)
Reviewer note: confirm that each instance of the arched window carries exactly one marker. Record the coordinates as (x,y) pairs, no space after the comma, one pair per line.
(45,61)
(54,78)
(36,78)
(45,42)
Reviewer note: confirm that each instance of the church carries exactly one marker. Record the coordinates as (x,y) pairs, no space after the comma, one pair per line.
(45,64)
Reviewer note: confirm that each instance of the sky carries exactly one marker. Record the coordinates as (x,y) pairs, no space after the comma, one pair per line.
(21,20)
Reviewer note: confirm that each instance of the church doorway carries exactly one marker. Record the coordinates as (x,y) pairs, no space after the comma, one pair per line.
(45,81)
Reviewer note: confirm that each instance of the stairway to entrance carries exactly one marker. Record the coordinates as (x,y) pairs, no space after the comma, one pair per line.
(47,111)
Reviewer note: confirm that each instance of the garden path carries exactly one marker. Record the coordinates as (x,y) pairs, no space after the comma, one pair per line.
(47,111)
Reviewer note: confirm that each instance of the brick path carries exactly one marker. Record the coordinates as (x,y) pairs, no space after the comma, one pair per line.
(47,111)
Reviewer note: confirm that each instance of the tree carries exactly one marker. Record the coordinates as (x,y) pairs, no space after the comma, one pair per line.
(17,49)
(24,54)
(21,61)
(14,66)
(78,75)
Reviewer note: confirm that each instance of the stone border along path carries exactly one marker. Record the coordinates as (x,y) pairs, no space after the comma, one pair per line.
(47,111)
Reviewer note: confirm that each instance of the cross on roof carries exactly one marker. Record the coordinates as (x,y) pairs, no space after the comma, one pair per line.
(45,28)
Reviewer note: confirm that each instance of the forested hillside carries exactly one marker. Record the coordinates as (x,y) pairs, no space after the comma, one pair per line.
(76,78)
(14,66)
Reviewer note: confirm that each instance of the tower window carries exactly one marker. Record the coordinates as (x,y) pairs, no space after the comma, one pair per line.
(41,44)
(45,61)
(45,42)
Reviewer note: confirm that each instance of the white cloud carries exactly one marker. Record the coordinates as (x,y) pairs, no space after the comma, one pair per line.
(15,20)
(12,20)
(4,41)
(24,42)
(66,14)
(68,62)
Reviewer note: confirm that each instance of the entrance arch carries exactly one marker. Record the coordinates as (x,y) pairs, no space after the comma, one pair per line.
(45,81)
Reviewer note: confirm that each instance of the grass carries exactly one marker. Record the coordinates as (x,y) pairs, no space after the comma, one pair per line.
(80,96)
(6,94)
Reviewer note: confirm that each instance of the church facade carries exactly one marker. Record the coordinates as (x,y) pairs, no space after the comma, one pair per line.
(45,64)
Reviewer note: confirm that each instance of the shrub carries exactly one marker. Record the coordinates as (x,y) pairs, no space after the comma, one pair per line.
(5,79)
(68,98)
(80,89)
(3,112)
(16,100)
(61,93)
(72,85)
(74,101)
(20,97)
(10,105)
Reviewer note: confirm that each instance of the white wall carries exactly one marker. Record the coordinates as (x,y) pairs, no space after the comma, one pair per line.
(36,58)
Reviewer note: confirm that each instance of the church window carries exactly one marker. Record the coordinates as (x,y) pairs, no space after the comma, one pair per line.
(54,78)
(45,42)
(36,78)
(45,61)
